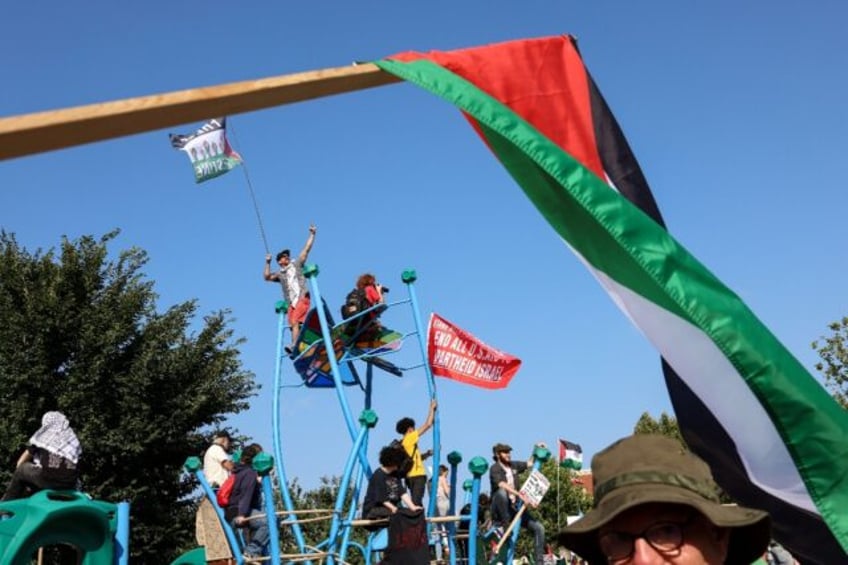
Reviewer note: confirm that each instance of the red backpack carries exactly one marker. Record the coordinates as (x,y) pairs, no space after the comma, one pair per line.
(225,491)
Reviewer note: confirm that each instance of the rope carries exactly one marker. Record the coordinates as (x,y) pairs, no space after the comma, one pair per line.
(305,520)
(431,519)
(251,193)
(307,511)
(301,521)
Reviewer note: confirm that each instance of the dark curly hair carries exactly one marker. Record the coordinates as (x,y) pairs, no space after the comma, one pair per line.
(391,456)
(404,424)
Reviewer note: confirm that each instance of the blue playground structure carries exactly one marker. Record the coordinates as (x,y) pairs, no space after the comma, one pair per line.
(330,354)
(327,355)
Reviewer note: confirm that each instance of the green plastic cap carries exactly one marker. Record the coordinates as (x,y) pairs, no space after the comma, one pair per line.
(310,270)
(467,484)
(454,457)
(409,276)
(192,464)
(478,466)
(541,454)
(368,418)
(263,463)
(282,306)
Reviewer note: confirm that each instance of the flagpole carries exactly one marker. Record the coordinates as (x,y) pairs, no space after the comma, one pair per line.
(251,193)
(559,466)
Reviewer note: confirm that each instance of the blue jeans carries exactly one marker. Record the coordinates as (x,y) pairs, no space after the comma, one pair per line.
(538,531)
(503,512)
(260,537)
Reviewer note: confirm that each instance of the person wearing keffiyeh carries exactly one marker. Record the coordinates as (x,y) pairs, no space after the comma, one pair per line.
(50,460)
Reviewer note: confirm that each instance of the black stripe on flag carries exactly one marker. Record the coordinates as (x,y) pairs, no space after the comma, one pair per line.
(801,532)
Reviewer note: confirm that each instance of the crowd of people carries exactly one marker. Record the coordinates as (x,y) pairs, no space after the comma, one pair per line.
(654,501)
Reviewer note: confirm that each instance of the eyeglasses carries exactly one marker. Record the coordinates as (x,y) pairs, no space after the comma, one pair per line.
(665,537)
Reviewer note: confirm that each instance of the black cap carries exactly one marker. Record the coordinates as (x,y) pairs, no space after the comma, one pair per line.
(501,448)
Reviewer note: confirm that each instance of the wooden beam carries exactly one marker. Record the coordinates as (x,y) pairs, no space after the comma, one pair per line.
(45,131)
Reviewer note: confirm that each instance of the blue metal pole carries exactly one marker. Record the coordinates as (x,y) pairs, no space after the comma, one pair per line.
(454,459)
(466,487)
(368,419)
(281,307)
(369,382)
(478,466)
(472,522)
(540,455)
(122,535)
(409,277)
(271,517)
(360,477)
(311,274)
(228,531)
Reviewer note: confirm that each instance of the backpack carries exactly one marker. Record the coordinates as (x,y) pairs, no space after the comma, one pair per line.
(355,302)
(406,465)
(225,491)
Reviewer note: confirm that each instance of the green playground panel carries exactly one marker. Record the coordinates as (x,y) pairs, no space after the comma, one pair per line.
(196,556)
(57,517)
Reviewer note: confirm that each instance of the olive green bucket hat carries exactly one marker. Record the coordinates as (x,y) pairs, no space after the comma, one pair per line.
(644,469)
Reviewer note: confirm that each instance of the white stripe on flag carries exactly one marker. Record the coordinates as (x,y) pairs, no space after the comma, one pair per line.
(707,371)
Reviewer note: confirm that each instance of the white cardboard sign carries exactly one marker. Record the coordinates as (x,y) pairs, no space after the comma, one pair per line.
(535,487)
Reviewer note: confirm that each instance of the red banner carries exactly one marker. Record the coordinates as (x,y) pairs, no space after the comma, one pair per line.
(456,354)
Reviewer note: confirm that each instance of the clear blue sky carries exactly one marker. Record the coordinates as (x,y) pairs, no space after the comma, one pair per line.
(736,111)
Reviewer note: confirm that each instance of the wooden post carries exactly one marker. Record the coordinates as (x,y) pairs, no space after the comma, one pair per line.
(511,527)
(45,131)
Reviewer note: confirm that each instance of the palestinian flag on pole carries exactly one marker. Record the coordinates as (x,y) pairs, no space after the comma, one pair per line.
(772,435)
(210,152)
(570,455)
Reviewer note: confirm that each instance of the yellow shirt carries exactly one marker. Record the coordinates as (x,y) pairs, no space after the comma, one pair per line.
(410,442)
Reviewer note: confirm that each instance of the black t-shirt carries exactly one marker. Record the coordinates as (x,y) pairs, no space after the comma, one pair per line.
(55,468)
(382,487)
(497,474)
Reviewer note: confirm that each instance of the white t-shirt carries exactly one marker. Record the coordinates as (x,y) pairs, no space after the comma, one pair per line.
(213,468)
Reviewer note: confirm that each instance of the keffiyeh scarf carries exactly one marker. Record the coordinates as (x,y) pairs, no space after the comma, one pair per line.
(56,436)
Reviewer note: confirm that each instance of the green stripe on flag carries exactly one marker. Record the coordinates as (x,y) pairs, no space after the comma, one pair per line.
(619,240)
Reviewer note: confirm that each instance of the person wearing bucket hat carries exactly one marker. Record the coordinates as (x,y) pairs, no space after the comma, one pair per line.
(656,502)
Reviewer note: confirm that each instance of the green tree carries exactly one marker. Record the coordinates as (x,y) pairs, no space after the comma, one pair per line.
(834,364)
(566,497)
(665,425)
(80,332)
(320,502)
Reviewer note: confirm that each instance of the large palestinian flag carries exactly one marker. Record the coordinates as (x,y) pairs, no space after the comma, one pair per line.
(772,435)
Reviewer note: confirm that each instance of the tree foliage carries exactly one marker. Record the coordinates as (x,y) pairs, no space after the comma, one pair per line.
(833,351)
(664,425)
(566,497)
(80,332)
(321,498)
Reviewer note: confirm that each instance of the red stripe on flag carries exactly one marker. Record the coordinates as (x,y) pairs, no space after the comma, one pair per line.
(542,80)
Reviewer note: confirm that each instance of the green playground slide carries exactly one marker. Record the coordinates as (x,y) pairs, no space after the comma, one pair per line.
(196,556)
(57,517)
